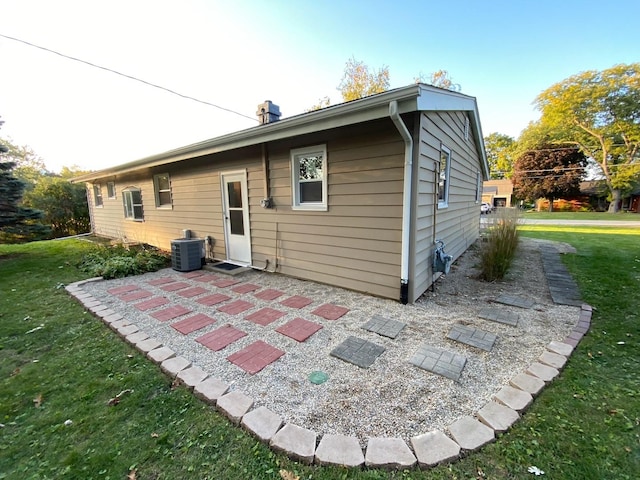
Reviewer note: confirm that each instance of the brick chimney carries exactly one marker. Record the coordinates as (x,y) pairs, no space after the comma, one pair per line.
(268,112)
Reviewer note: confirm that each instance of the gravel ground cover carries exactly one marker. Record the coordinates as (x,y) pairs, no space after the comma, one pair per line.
(392,398)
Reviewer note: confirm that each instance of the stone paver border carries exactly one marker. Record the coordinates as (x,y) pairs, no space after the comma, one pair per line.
(427,450)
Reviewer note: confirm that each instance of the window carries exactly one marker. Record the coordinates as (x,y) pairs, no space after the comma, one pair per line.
(162,188)
(97,194)
(132,200)
(111,189)
(309,178)
(478,187)
(443,177)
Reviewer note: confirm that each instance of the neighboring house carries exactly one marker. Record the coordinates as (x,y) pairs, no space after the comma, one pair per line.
(498,193)
(354,195)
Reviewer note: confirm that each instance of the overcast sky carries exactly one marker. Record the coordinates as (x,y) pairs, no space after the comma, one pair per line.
(238,53)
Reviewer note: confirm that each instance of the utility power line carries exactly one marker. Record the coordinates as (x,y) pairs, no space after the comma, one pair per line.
(131,77)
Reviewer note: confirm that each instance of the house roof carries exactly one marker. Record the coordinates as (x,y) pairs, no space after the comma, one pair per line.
(417,97)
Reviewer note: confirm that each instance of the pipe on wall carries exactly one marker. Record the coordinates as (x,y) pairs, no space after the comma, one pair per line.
(406,200)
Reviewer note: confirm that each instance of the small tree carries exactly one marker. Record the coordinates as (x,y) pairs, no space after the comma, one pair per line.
(549,172)
(500,155)
(358,82)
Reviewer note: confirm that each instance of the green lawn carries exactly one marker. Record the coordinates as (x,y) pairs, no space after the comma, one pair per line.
(585,425)
(618,217)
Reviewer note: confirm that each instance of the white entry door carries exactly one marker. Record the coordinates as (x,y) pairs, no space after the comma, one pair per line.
(235,210)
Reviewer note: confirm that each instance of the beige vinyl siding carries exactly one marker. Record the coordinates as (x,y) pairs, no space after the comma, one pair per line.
(457,224)
(356,243)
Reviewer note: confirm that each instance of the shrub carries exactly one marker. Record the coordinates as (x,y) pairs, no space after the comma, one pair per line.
(500,246)
(120,261)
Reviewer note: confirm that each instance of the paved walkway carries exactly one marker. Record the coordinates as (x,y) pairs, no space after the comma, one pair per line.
(428,449)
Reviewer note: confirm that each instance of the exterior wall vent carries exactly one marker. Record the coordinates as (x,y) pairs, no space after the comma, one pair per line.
(268,112)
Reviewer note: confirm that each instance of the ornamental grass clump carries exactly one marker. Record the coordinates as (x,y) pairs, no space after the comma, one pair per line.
(500,245)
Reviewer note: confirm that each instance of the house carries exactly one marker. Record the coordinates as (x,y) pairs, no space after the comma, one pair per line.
(498,193)
(354,195)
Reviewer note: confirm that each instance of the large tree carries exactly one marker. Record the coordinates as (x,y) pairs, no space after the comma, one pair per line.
(358,82)
(500,154)
(549,172)
(598,112)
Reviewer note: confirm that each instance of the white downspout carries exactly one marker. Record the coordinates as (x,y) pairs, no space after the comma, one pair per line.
(406,200)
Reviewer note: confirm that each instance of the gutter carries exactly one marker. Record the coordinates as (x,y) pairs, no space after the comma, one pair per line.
(406,200)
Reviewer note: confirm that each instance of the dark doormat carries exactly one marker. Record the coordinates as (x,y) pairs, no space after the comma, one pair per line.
(225,266)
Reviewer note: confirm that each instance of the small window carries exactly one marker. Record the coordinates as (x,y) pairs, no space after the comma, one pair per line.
(443,177)
(97,194)
(162,188)
(111,190)
(309,178)
(132,200)
(478,187)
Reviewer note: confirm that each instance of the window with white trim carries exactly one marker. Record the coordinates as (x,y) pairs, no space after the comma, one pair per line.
(97,194)
(309,178)
(443,177)
(111,189)
(162,189)
(478,187)
(132,201)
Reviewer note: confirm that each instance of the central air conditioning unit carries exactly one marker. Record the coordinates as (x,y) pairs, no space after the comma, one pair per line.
(187,254)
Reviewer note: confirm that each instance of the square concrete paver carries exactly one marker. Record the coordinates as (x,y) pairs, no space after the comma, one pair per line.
(174,286)
(269,294)
(297,302)
(225,282)
(299,329)
(220,337)
(213,299)
(151,303)
(234,308)
(358,351)
(265,316)
(245,288)
(330,312)
(123,289)
(472,336)
(192,292)
(136,295)
(192,324)
(515,301)
(170,313)
(441,362)
(384,326)
(255,356)
(161,281)
(499,315)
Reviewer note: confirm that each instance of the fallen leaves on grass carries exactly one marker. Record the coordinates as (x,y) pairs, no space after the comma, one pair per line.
(287,475)
(116,400)
(37,402)
(132,475)
(535,470)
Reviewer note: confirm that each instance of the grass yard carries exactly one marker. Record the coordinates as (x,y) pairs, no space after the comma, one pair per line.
(618,217)
(59,363)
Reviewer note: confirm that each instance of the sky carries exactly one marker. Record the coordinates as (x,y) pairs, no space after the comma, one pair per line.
(237,53)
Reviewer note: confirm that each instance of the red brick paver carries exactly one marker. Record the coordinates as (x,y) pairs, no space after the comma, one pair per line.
(225,282)
(123,289)
(236,307)
(245,288)
(170,313)
(296,302)
(255,357)
(220,337)
(330,312)
(264,316)
(137,295)
(172,287)
(192,324)
(207,277)
(151,303)
(194,274)
(192,292)
(269,294)
(213,299)
(299,329)
(161,281)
